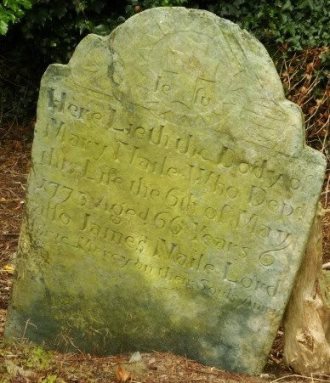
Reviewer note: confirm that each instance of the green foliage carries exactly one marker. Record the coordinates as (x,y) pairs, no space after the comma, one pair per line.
(54,28)
(51,379)
(11,11)
(295,23)
(38,359)
(135,6)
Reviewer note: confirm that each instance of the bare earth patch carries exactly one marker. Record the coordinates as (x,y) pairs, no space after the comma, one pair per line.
(24,362)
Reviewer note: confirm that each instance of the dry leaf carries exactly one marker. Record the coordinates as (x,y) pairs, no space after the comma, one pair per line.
(14,370)
(8,269)
(136,357)
(122,375)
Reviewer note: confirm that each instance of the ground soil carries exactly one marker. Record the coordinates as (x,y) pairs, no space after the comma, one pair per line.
(23,362)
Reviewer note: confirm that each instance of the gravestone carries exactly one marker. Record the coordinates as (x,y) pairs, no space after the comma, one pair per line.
(170,198)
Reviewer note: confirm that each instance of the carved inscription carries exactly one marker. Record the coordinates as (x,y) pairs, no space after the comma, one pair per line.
(183,189)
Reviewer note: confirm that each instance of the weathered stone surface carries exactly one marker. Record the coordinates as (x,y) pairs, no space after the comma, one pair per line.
(307,319)
(171,195)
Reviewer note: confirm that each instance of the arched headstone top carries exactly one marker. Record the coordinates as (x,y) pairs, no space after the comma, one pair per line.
(191,67)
